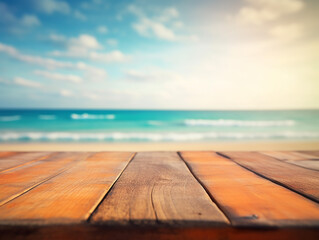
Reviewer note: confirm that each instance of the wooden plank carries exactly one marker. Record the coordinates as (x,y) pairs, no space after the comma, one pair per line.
(70,196)
(313,153)
(304,160)
(301,180)
(7,154)
(248,199)
(19,180)
(156,188)
(291,155)
(310,164)
(9,161)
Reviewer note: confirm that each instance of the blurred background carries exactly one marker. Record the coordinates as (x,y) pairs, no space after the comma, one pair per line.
(159,71)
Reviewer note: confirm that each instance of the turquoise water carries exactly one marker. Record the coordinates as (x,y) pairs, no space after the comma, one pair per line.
(156,126)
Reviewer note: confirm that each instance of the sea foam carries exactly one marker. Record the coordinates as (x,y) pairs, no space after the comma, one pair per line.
(10,118)
(152,136)
(237,123)
(86,116)
(47,117)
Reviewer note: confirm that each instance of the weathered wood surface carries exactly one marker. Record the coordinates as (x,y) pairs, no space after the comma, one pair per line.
(248,199)
(302,180)
(22,178)
(69,196)
(7,154)
(313,153)
(9,160)
(158,187)
(291,156)
(158,195)
(306,160)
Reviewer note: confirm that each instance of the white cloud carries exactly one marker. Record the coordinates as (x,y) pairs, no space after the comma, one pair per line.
(56,38)
(45,62)
(79,15)
(109,57)
(112,42)
(26,83)
(66,93)
(16,24)
(83,46)
(258,12)
(91,96)
(168,14)
(114,56)
(148,28)
(82,43)
(30,21)
(158,26)
(58,76)
(90,72)
(51,6)
(178,24)
(102,29)
(152,74)
(287,32)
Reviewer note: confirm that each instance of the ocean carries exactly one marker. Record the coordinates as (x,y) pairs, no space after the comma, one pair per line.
(156,126)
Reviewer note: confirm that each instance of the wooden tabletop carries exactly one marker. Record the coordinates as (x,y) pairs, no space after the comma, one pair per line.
(159,195)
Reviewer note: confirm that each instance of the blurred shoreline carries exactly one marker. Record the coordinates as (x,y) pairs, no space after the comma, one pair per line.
(175,146)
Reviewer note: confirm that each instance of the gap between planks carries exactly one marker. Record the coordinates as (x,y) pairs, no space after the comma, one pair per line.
(294,186)
(94,209)
(249,199)
(75,200)
(204,187)
(158,188)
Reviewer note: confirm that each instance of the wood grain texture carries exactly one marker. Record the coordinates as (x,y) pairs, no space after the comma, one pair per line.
(18,180)
(7,154)
(305,160)
(301,180)
(248,199)
(309,164)
(157,188)
(313,153)
(70,196)
(9,160)
(291,156)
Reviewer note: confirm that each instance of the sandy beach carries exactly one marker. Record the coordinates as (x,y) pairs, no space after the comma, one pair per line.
(212,146)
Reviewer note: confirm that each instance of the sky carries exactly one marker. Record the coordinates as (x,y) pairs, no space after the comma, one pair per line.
(147,54)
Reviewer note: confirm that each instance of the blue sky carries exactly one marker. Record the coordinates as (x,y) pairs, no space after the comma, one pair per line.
(236,54)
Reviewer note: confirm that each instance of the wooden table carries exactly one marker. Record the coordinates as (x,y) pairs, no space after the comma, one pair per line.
(159,195)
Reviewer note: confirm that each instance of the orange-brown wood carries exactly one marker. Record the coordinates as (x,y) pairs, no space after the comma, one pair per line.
(313,153)
(248,199)
(19,180)
(302,180)
(7,154)
(310,164)
(7,162)
(70,196)
(305,160)
(53,197)
(158,187)
(291,156)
